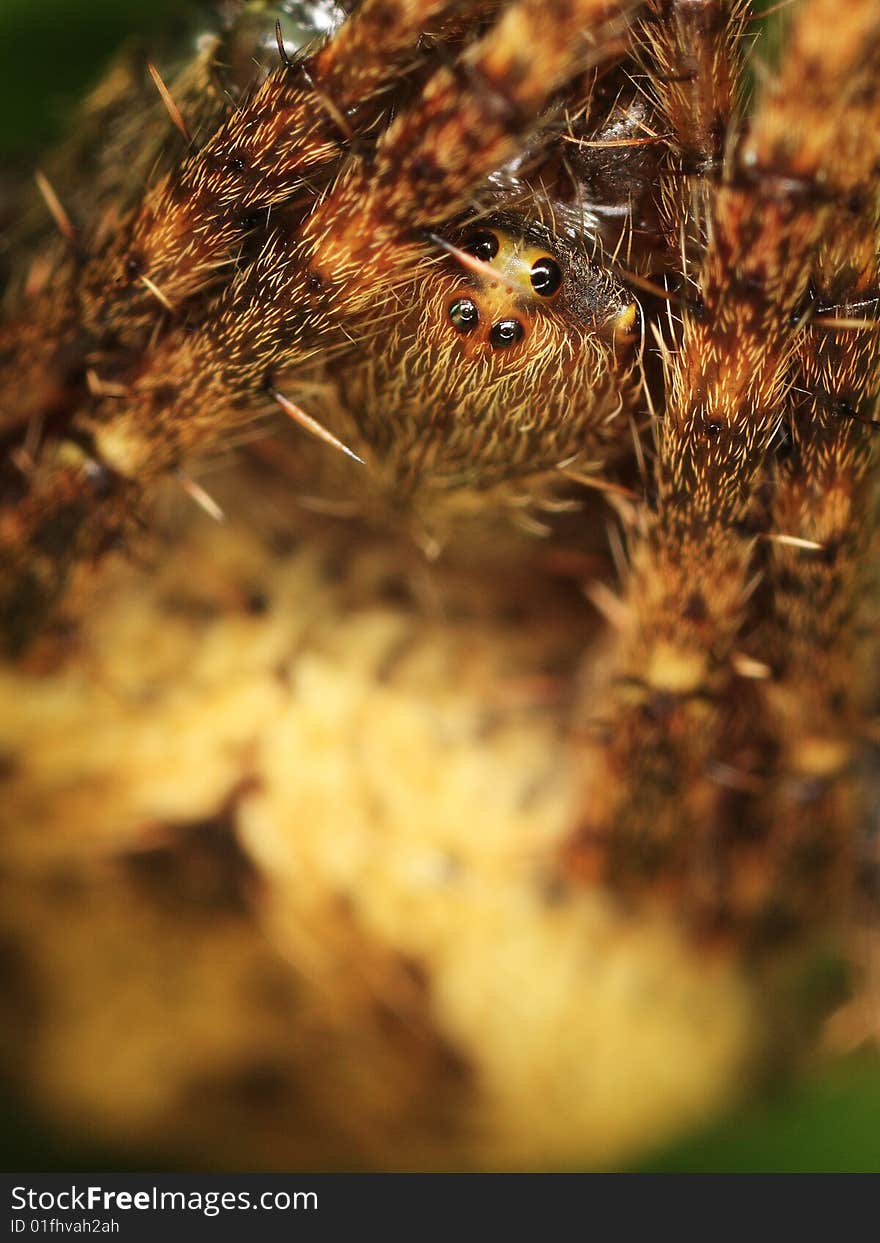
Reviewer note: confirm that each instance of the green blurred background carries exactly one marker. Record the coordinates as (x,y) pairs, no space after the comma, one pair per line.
(49,51)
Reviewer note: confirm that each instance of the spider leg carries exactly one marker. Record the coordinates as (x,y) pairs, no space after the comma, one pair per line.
(816,637)
(192,223)
(186,233)
(665,802)
(693,54)
(41,342)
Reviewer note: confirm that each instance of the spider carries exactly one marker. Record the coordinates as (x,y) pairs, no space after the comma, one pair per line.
(518,274)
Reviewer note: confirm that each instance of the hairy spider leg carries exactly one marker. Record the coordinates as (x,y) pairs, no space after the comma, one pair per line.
(658,776)
(185,234)
(693,56)
(817,638)
(190,225)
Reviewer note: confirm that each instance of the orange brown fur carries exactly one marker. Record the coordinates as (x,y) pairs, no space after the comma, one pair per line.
(320,221)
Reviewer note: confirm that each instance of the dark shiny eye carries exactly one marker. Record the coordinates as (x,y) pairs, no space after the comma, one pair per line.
(482,245)
(464,315)
(505,333)
(134,265)
(546,277)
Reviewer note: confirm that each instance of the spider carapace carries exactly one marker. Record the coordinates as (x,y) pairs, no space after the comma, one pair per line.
(512,358)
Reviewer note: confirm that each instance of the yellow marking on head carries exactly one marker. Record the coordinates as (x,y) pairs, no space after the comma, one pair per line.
(513,277)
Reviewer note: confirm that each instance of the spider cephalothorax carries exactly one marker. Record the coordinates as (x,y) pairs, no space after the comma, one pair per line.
(427,251)
(490,332)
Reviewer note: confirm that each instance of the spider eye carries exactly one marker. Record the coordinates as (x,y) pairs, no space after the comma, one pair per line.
(546,276)
(464,315)
(134,265)
(505,333)
(482,245)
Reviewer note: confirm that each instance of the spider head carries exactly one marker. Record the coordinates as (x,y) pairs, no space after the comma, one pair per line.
(511,278)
